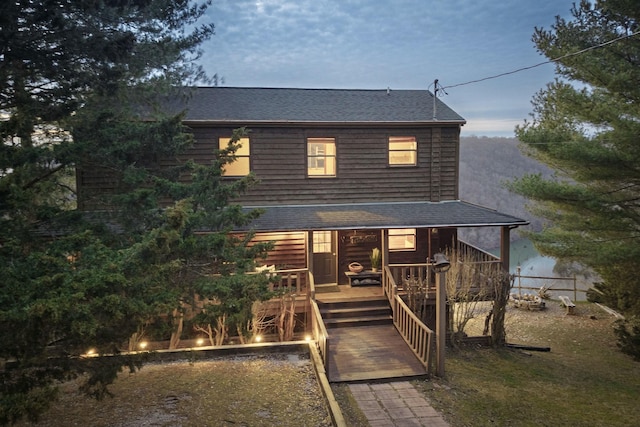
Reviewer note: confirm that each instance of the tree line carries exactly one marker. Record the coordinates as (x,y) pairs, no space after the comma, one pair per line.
(487,164)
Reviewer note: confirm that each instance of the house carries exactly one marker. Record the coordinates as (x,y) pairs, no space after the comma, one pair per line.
(344,171)
(341,172)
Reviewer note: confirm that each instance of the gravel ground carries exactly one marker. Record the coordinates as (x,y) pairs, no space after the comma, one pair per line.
(272,390)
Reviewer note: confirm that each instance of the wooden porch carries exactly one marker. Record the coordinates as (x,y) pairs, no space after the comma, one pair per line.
(402,349)
(365,353)
(368,353)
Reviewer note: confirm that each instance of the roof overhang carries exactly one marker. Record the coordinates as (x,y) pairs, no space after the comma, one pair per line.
(383,215)
(279,123)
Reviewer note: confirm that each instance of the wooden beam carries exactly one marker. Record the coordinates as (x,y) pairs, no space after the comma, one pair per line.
(505,247)
(441,322)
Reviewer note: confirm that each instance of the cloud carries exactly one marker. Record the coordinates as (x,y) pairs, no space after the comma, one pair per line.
(403,44)
(491,127)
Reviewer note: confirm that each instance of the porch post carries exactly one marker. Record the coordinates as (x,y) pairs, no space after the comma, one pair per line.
(441,322)
(385,254)
(505,247)
(310,250)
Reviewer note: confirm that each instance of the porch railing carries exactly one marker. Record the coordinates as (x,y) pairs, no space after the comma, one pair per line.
(407,273)
(404,273)
(318,330)
(416,334)
(293,280)
(470,252)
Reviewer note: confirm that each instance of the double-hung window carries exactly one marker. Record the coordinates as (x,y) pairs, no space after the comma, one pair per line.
(241,165)
(403,151)
(402,239)
(321,157)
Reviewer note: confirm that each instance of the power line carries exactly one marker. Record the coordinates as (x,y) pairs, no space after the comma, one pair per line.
(545,62)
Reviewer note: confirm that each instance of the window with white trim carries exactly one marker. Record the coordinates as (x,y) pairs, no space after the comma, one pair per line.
(241,165)
(403,151)
(321,242)
(321,157)
(402,239)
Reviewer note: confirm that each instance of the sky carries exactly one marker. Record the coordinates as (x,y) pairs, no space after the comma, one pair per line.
(396,44)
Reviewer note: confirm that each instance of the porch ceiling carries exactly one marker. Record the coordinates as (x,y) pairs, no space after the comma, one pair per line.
(454,213)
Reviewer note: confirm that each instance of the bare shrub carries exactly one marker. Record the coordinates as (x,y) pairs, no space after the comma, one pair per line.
(466,287)
(417,295)
(501,282)
(216,335)
(470,282)
(287,317)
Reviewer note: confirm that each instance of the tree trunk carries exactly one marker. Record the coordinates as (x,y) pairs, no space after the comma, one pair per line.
(175,335)
(502,289)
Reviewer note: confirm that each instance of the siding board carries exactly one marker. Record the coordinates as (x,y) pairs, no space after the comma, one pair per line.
(278,159)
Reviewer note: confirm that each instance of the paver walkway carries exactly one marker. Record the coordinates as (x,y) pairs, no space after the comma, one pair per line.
(395,404)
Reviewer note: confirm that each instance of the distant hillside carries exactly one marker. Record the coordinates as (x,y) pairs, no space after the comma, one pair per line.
(486,163)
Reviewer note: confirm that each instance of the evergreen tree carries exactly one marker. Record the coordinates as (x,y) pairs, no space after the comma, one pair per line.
(76,77)
(585,125)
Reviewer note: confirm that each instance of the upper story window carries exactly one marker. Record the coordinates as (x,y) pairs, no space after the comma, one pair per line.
(321,157)
(402,239)
(403,151)
(241,165)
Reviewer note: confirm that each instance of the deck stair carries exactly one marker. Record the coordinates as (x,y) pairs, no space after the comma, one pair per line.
(356,312)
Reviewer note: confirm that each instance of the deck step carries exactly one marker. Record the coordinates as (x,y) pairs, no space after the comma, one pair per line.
(359,321)
(345,312)
(356,312)
(354,302)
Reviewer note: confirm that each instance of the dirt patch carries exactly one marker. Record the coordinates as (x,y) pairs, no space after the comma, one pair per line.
(520,323)
(267,390)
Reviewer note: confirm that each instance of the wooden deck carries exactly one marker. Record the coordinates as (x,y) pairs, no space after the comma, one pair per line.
(368,353)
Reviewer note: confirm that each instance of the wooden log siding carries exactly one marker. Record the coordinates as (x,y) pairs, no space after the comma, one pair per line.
(279,160)
(289,251)
(356,250)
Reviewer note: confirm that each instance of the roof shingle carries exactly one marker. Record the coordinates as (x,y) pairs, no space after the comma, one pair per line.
(282,105)
(453,213)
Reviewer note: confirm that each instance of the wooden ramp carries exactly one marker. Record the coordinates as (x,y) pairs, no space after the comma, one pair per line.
(367,353)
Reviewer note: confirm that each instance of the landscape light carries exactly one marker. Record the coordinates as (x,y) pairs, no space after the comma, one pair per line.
(258,338)
(307,338)
(142,345)
(199,341)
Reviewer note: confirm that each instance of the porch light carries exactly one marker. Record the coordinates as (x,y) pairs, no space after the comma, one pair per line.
(441,263)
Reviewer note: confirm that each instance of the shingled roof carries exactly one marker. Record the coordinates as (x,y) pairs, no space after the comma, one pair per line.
(281,105)
(453,213)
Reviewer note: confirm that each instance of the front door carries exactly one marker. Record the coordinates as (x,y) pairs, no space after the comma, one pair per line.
(324,257)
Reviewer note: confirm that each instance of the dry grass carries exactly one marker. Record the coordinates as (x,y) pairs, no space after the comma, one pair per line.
(237,391)
(351,413)
(583,381)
